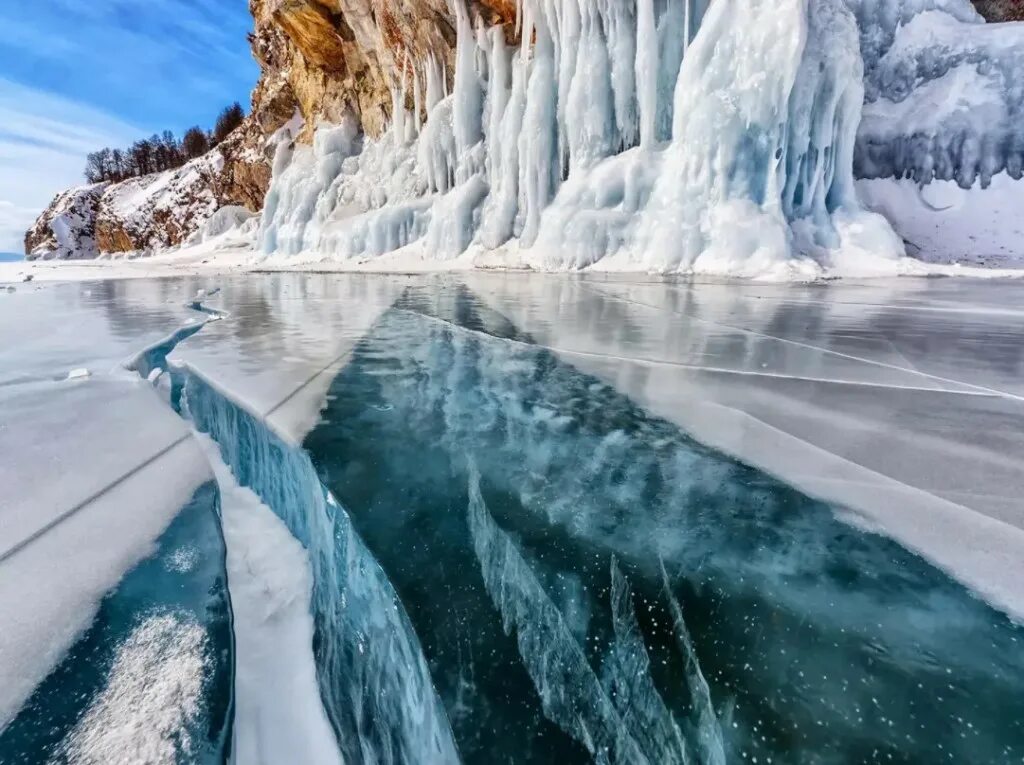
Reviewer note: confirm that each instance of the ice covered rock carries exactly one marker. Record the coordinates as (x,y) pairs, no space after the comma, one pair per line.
(156,211)
(540,146)
(944,97)
(944,102)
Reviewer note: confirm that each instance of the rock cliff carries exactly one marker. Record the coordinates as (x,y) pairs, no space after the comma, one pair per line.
(155,211)
(320,59)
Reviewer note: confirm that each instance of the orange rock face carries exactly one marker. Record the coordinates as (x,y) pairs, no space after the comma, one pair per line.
(336,56)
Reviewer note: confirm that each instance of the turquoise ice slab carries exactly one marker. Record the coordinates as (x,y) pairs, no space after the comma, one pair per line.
(150,679)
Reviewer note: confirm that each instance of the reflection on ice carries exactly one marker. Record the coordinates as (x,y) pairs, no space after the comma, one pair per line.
(832,642)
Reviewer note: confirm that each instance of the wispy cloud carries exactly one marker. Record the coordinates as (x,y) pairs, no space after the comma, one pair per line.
(163,63)
(43,143)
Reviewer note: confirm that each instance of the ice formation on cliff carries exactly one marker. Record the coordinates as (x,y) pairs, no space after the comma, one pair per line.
(944,93)
(616,136)
(942,121)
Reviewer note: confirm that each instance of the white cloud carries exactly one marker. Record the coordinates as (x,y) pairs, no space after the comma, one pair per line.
(44,140)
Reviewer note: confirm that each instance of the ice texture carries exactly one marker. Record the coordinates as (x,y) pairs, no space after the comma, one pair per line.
(570,691)
(945,94)
(104,508)
(374,681)
(763,575)
(664,137)
(148,677)
(279,716)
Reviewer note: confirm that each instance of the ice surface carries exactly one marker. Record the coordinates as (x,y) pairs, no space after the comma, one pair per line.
(861,395)
(578,400)
(42,326)
(62,494)
(149,680)
(787,605)
(285,339)
(75,518)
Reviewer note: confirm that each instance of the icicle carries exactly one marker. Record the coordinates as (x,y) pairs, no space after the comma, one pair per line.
(619,23)
(499,214)
(435,82)
(417,99)
(647,72)
(570,33)
(468,95)
(497,97)
(687,25)
(538,142)
(590,111)
(671,32)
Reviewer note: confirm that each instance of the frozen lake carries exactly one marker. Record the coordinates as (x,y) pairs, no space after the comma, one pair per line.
(512,518)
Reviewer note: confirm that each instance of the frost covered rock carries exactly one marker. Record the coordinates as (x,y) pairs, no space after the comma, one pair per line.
(156,211)
(669,135)
(945,94)
(945,101)
(67,228)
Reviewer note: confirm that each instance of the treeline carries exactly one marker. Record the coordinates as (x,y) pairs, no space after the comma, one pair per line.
(160,152)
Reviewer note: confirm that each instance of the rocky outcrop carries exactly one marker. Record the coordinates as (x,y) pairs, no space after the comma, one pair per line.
(334,57)
(1001,10)
(156,211)
(66,229)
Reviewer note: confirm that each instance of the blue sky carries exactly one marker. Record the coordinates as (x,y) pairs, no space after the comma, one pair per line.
(77,75)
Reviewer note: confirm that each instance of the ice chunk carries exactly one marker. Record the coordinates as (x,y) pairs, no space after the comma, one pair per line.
(374,681)
(570,692)
(279,716)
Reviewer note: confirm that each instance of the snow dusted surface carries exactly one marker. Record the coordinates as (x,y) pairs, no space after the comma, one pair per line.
(61,493)
(942,221)
(74,518)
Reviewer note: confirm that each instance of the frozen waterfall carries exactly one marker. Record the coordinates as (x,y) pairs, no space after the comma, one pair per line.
(661,135)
